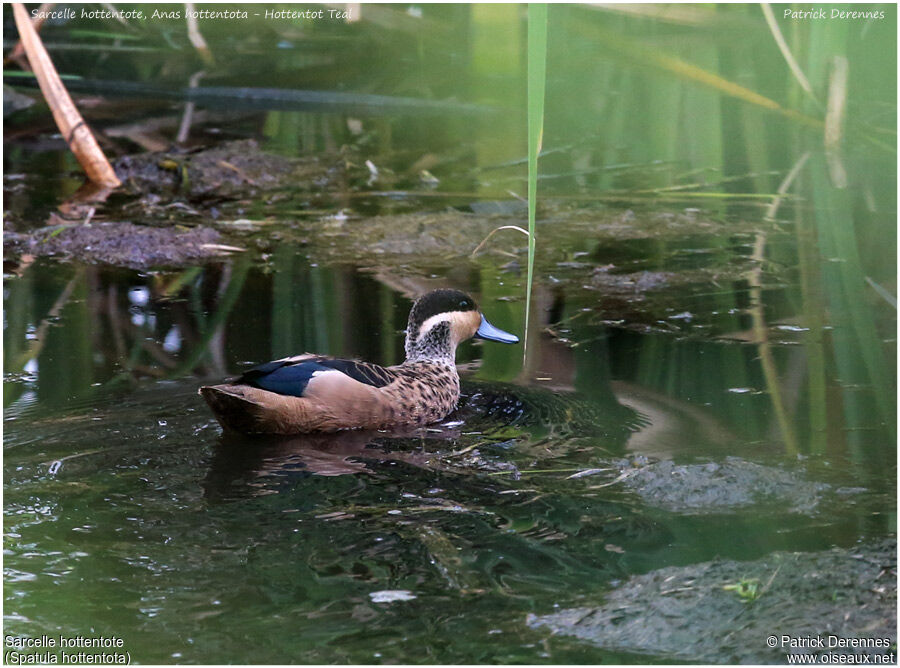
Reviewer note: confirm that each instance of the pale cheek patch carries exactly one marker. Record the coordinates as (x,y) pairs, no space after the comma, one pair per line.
(463,325)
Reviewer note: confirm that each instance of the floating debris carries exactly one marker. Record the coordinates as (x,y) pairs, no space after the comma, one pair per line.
(391,595)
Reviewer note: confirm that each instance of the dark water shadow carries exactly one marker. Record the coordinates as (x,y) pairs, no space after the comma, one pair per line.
(257,463)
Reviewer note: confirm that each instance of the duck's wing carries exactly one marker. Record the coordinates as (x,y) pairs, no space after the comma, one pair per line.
(293,375)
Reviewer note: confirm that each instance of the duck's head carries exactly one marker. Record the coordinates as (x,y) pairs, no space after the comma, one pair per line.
(442,319)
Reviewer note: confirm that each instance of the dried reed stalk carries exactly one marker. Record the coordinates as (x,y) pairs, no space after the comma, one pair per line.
(72,126)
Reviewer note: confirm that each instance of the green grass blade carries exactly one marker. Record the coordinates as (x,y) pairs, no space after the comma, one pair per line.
(537,75)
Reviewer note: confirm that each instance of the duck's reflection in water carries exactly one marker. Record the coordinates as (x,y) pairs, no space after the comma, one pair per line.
(251,466)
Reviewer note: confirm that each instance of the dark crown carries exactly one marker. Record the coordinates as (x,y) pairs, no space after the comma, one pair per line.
(439,301)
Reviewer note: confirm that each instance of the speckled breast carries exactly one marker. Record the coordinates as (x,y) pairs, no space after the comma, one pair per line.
(424,394)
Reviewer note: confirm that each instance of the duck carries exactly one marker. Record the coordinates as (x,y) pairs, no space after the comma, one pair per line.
(312,393)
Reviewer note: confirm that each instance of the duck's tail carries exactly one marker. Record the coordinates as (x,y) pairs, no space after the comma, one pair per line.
(233,409)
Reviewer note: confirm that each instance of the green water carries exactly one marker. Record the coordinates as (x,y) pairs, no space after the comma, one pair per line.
(127,514)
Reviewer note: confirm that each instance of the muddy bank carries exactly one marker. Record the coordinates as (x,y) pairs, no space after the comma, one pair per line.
(234,169)
(720,486)
(120,244)
(592,247)
(178,209)
(170,204)
(455,234)
(687,614)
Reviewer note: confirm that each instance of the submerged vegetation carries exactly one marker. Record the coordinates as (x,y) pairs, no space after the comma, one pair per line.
(708,290)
